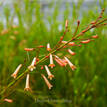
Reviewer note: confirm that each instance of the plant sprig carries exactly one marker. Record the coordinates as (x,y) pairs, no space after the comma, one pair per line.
(98,23)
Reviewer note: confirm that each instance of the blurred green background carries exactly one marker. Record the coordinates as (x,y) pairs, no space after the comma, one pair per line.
(29,23)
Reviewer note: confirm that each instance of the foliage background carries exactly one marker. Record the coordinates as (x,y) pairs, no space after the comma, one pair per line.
(84,87)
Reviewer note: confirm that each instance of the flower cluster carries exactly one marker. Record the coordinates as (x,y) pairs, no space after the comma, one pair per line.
(52,56)
(60,61)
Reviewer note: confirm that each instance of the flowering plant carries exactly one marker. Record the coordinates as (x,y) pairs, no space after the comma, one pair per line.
(62,62)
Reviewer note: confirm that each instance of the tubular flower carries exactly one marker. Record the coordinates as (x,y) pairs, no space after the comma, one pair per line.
(14,75)
(32,66)
(50,76)
(8,100)
(27,86)
(71,52)
(64,61)
(59,61)
(46,81)
(86,41)
(51,62)
(95,36)
(70,43)
(48,47)
(61,64)
(70,64)
(29,49)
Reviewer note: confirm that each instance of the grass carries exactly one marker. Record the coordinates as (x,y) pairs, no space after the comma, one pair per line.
(84,87)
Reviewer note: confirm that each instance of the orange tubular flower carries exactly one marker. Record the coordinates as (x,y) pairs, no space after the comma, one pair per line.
(8,100)
(86,41)
(29,49)
(48,47)
(64,61)
(70,64)
(51,62)
(71,52)
(27,86)
(70,43)
(95,36)
(59,61)
(32,66)
(14,75)
(46,81)
(50,76)
(61,64)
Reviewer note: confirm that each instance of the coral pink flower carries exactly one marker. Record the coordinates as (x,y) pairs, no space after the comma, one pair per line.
(50,76)
(63,42)
(64,61)
(70,43)
(59,61)
(61,64)
(48,47)
(27,86)
(86,41)
(95,36)
(29,49)
(32,66)
(70,64)
(14,75)
(46,81)
(51,62)
(71,52)
(8,100)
